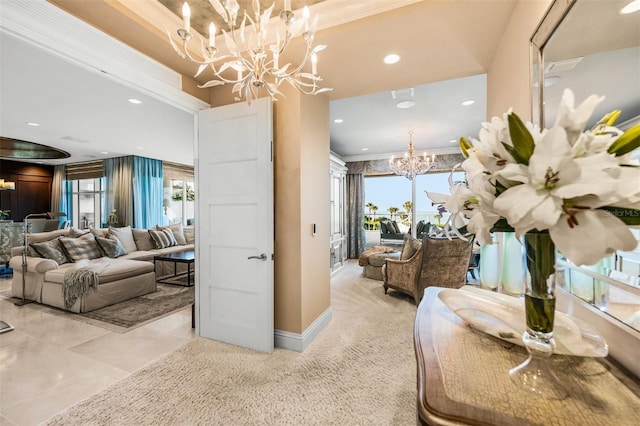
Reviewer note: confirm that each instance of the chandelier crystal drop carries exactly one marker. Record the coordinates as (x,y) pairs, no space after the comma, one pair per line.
(411,164)
(250,63)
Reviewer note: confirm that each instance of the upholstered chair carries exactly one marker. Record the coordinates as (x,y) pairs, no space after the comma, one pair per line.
(439,261)
(445,263)
(401,274)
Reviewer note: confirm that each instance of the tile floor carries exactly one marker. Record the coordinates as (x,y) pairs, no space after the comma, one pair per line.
(49,362)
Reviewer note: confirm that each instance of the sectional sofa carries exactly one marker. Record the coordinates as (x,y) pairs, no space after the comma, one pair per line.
(121,257)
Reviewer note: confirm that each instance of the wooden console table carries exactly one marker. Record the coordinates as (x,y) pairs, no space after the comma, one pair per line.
(462,376)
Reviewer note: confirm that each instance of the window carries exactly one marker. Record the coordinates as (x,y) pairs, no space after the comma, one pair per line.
(390,197)
(87,198)
(179,202)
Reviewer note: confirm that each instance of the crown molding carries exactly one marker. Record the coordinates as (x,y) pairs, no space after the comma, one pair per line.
(386,156)
(44,25)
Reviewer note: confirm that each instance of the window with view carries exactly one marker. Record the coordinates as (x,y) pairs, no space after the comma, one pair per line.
(179,202)
(87,198)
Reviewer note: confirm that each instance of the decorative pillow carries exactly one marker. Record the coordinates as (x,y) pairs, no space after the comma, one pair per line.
(189,234)
(75,232)
(99,232)
(410,247)
(178,232)
(125,236)
(163,238)
(84,247)
(50,250)
(383,227)
(143,240)
(111,247)
(40,237)
(396,228)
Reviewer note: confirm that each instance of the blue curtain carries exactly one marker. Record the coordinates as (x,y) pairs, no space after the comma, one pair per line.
(66,202)
(147,192)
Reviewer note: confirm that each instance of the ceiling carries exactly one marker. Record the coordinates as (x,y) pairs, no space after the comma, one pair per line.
(445,47)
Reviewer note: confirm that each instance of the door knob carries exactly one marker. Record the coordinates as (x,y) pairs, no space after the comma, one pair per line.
(261,257)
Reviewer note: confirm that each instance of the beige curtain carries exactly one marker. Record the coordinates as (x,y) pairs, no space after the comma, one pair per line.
(57,187)
(118,174)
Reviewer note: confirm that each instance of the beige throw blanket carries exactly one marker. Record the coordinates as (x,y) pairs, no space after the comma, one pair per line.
(82,277)
(363,260)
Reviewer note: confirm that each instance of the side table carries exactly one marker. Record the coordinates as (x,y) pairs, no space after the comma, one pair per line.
(462,376)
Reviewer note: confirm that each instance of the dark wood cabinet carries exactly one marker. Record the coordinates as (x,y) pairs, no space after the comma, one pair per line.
(33,188)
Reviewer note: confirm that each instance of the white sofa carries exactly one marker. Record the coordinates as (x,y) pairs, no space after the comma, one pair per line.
(124,277)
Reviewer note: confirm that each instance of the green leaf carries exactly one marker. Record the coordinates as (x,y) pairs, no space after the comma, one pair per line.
(627,142)
(630,217)
(522,140)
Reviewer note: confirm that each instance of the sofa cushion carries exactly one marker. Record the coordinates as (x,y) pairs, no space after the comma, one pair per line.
(163,238)
(50,250)
(189,234)
(383,227)
(111,247)
(410,247)
(396,228)
(143,240)
(44,236)
(99,232)
(125,236)
(75,232)
(84,247)
(117,269)
(178,233)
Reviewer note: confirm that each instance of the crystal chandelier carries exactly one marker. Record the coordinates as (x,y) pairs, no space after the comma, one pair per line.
(412,165)
(255,63)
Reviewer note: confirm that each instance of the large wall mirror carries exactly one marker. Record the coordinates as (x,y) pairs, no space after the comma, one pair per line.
(590,47)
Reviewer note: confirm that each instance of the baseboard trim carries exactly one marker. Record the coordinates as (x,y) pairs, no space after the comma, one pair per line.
(299,342)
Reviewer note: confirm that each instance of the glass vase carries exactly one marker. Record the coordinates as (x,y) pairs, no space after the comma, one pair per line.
(512,265)
(488,268)
(535,374)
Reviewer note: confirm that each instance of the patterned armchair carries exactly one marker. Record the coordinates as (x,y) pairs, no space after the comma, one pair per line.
(10,236)
(439,261)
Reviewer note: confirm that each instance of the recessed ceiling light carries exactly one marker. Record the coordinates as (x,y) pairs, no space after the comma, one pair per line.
(392,59)
(633,6)
(140,148)
(31,123)
(365,149)
(469,102)
(135,101)
(453,140)
(103,152)
(405,104)
(338,120)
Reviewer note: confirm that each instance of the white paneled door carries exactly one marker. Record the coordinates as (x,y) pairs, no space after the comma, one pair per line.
(234,166)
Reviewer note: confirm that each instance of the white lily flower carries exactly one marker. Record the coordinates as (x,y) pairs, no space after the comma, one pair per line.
(535,204)
(574,120)
(605,235)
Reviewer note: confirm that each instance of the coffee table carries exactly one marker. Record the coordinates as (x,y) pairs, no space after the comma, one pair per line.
(186,256)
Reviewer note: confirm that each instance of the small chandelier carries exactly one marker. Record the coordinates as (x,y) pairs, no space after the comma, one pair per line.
(412,165)
(256,64)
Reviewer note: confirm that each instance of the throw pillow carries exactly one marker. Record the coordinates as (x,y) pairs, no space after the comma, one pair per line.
(99,232)
(410,247)
(384,227)
(125,236)
(40,237)
(396,228)
(143,240)
(189,234)
(84,247)
(50,250)
(75,232)
(178,232)
(163,238)
(111,247)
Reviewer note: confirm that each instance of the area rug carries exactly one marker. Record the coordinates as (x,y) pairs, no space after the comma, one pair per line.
(360,370)
(133,313)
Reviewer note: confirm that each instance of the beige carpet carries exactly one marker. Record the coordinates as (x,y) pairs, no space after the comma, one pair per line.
(359,371)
